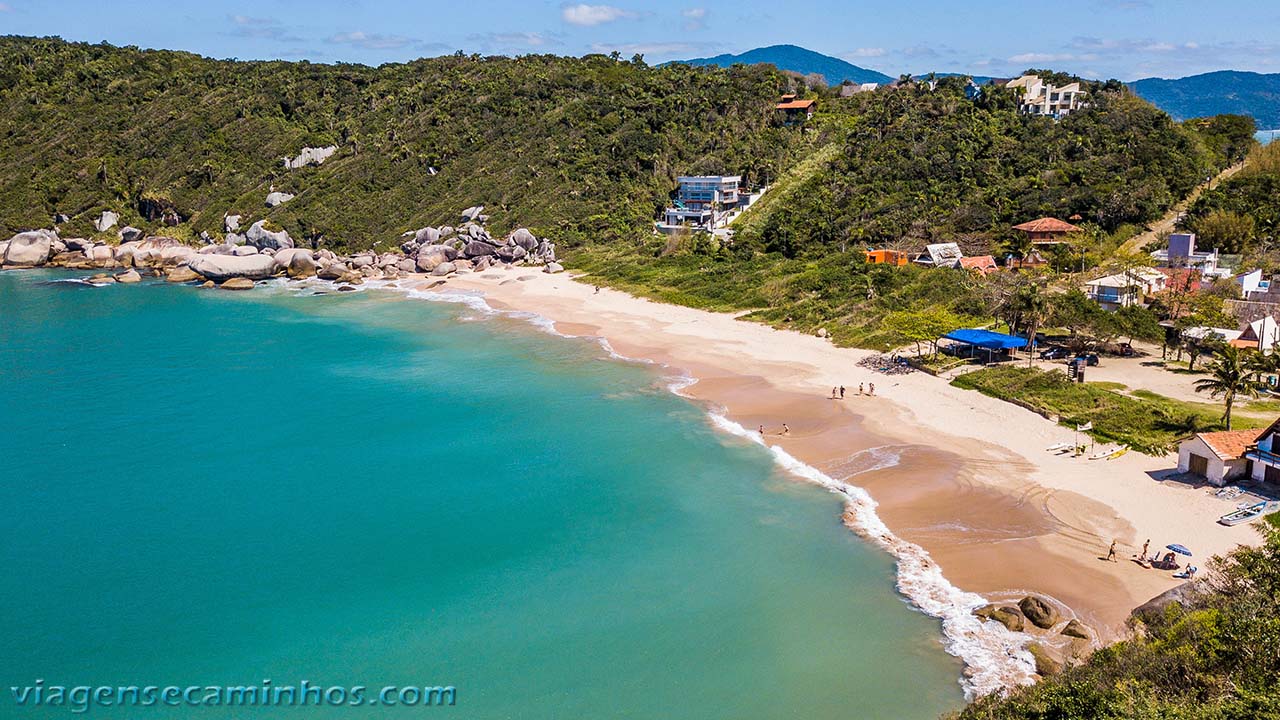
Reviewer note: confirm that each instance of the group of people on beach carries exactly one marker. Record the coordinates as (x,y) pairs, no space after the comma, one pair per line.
(1149,562)
(837,392)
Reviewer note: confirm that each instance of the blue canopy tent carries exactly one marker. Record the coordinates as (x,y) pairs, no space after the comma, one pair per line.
(987,340)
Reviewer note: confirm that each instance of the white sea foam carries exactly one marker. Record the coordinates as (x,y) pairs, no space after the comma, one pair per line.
(994,657)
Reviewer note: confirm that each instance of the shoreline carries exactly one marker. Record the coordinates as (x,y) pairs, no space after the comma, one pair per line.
(993,515)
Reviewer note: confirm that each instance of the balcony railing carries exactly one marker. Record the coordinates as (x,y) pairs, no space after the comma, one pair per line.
(1262,456)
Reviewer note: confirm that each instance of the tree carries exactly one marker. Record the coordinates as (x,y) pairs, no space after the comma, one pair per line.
(1033,308)
(1087,322)
(921,326)
(1226,231)
(1231,376)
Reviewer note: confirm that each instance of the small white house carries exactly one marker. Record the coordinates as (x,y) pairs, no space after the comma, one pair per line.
(1218,457)
(1125,289)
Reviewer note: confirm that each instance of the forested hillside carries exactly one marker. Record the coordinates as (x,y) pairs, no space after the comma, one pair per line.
(1242,214)
(576,149)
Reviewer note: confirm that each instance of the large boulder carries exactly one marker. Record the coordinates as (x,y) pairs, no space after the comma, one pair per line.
(243,250)
(230,223)
(237,283)
(160,251)
(546,252)
(1005,615)
(409,247)
(129,233)
(427,236)
(478,248)
(472,214)
(102,256)
(29,249)
(444,268)
(1039,612)
(524,239)
(1185,595)
(106,221)
(553,267)
(432,255)
(129,276)
(296,262)
(278,198)
(407,265)
(1075,629)
(510,253)
(182,274)
(260,235)
(125,251)
(78,244)
(224,267)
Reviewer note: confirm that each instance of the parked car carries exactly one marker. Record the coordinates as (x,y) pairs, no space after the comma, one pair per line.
(1126,350)
(1090,359)
(1055,353)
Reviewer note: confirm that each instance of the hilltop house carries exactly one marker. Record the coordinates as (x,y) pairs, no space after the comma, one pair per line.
(795,111)
(1262,335)
(701,198)
(1125,289)
(1041,98)
(850,89)
(945,255)
(1047,231)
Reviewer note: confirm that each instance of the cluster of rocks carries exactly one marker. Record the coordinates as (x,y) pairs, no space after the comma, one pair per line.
(263,251)
(444,250)
(1039,613)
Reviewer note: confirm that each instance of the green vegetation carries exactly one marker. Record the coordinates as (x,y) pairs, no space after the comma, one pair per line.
(581,150)
(1215,658)
(1242,214)
(1235,374)
(1146,422)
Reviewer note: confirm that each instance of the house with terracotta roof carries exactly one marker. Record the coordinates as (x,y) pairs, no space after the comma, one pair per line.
(981,264)
(1219,457)
(1047,231)
(796,111)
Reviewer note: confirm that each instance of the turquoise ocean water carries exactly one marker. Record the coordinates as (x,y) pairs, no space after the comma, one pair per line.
(213,488)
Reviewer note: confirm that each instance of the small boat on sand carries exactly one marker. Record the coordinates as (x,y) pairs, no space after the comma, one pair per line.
(1244,514)
(1123,449)
(1058,447)
(1102,453)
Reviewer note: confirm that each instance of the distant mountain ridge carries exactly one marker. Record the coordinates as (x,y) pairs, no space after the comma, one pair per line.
(797,59)
(1225,91)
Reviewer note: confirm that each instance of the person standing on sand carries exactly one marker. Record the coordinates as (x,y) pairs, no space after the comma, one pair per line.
(841,392)
(859,388)
(761,429)
(833,393)
(1145,545)
(871,388)
(785,430)
(1111,554)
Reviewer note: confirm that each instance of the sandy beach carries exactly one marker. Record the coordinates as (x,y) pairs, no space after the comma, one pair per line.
(970,480)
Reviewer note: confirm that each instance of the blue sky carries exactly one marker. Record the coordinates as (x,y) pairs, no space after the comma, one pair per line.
(1127,39)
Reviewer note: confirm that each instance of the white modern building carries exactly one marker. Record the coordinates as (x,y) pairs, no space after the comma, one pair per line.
(1181,253)
(1042,98)
(1264,455)
(1125,289)
(1218,457)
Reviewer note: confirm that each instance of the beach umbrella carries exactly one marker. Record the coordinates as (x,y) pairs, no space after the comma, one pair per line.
(1180,549)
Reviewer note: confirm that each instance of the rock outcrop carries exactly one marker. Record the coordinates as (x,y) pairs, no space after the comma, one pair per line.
(230,223)
(106,221)
(278,198)
(1005,615)
(238,283)
(1045,664)
(29,249)
(225,267)
(260,235)
(310,156)
(1039,612)
(1075,629)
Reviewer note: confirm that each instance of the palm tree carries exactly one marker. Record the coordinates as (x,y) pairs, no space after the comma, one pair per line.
(1231,375)
(1033,307)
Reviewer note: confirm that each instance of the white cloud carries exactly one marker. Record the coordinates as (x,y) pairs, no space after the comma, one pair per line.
(695,18)
(867,52)
(586,15)
(514,40)
(370,41)
(1038,57)
(262,28)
